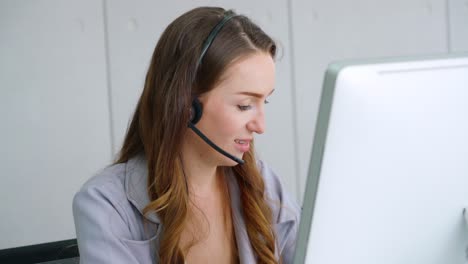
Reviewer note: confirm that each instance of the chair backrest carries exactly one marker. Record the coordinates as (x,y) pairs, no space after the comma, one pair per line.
(58,252)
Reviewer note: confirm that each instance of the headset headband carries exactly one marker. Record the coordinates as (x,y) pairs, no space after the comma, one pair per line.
(212,36)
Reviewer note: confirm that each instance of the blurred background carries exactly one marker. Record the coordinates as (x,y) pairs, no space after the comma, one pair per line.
(71,73)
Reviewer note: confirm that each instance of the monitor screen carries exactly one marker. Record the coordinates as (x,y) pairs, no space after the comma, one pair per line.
(388,176)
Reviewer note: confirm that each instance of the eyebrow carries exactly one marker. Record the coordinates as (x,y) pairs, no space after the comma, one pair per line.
(257,95)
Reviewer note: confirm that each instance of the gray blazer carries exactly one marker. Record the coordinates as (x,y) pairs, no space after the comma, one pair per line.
(110,226)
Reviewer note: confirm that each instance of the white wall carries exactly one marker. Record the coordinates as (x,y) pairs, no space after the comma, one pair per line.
(71,72)
(457,23)
(330,30)
(54,114)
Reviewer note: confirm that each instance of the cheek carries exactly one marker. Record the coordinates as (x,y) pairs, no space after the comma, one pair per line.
(229,122)
(225,121)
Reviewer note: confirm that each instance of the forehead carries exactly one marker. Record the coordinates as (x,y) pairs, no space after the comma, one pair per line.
(254,73)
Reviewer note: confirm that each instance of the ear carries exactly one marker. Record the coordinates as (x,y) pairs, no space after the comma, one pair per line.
(196,111)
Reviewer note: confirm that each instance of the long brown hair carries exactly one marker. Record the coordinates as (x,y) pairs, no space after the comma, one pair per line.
(160,121)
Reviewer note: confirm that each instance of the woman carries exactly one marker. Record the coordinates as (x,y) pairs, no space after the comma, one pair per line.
(186,187)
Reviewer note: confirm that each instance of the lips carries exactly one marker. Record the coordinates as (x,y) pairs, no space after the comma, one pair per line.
(243,145)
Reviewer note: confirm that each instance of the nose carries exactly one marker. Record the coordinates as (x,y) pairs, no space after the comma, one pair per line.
(257,123)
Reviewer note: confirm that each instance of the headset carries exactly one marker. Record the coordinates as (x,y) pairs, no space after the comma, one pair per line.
(196,110)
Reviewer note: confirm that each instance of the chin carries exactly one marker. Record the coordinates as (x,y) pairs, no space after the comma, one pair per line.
(229,162)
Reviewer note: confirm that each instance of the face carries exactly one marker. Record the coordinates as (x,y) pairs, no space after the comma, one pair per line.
(234,111)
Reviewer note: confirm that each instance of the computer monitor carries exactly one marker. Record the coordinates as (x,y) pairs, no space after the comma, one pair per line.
(388,176)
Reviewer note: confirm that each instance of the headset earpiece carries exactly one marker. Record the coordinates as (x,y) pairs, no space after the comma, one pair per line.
(196,111)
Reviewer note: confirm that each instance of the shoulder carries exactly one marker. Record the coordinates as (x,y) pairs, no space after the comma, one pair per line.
(108,184)
(102,201)
(109,227)
(115,197)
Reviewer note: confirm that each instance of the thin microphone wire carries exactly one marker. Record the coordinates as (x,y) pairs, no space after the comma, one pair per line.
(213,145)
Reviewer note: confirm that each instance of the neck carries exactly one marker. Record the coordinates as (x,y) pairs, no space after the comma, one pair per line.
(201,174)
(202,181)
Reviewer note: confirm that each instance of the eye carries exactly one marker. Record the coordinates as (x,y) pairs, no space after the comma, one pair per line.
(244,107)
(266,101)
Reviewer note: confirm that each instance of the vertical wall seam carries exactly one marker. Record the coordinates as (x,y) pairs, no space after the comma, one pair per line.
(108,77)
(294,101)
